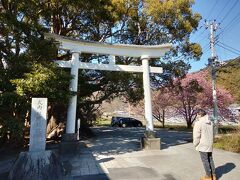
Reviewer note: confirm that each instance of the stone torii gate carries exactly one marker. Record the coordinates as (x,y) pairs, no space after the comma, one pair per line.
(76,47)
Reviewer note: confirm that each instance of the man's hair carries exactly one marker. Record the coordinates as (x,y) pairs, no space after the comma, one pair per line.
(201,112)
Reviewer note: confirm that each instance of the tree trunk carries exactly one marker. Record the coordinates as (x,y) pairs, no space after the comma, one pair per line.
(52,124)
(163,118)
(189,124)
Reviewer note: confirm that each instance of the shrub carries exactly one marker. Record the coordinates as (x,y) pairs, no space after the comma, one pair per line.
(11,131)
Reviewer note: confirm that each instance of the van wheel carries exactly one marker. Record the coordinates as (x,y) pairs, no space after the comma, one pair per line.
(139,125)
(124,125)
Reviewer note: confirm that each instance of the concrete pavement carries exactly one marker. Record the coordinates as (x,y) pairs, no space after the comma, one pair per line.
(115,154)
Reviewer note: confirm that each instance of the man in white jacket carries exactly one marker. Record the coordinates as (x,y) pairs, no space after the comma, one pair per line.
(203,133)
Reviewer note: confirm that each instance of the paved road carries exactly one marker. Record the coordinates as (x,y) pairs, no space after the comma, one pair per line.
(115,154)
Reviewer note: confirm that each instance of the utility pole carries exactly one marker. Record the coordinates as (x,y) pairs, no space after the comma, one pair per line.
(213,63)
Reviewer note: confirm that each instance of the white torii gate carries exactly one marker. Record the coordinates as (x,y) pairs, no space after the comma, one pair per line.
(77,47)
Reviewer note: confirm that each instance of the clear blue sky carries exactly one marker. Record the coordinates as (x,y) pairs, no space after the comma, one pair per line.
(227,13)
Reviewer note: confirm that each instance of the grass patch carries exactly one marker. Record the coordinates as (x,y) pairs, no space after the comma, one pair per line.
(228,142)
(227,129)
(174,127)
(107,122)
(102,122)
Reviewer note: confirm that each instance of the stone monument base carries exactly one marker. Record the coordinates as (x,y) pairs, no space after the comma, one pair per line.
(69,144)
(36,165)
(150,141)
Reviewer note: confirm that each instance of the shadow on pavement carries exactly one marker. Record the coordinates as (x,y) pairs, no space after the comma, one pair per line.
(4,175)
(173,138)
(115,141)
(224,169)
(105,160)
(169,177)
(83,165)
(93,177)
(109,140)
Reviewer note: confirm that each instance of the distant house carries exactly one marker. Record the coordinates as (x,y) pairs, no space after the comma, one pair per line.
(235,108)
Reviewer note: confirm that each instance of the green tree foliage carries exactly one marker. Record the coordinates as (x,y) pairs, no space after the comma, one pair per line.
(44,81)
(25,70)
(155,22)
(13,109)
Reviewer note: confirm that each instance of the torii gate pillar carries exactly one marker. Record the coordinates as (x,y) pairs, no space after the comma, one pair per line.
(72,106)
(147,93)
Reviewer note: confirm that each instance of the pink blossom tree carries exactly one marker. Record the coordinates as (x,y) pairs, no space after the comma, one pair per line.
(161,102)
(195,91)
(185,97)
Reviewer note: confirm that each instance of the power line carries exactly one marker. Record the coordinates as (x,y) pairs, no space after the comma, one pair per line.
(201,33)
(205,48)
(232,7)
(209,14)
(234,20)
(223,51)
(211,10)
(224,7)
(231,25)
(228,49)
(204,37)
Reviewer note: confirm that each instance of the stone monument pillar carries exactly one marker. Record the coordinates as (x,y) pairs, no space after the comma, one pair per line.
(37,164)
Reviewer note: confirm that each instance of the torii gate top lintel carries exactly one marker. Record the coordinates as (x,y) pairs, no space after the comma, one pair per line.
(81,46)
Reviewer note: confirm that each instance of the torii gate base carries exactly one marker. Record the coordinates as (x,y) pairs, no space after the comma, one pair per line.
(145,53)
(69,144)
(149,141)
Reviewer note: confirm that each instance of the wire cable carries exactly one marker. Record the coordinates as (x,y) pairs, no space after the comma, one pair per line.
(211,10)
(201,36)
(224,7)
(228,49)
(209,14)
(232,7)
(233,22)
(201,31)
